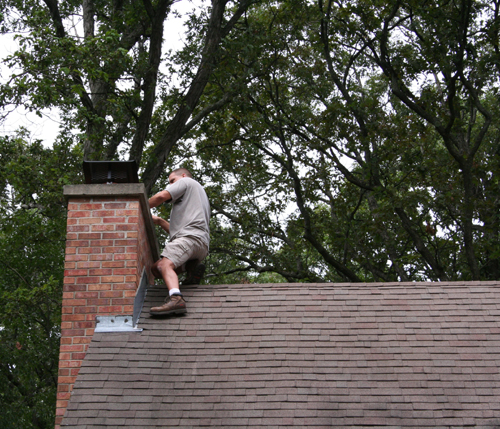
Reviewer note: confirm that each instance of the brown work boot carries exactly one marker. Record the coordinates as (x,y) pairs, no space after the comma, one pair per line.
(174,304)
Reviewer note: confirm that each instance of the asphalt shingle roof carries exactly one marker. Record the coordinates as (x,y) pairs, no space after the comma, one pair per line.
(406,355)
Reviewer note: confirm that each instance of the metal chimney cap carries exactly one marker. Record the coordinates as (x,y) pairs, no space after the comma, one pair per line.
(110,172)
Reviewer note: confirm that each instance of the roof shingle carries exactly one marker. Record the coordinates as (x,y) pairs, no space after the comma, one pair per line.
(301,355)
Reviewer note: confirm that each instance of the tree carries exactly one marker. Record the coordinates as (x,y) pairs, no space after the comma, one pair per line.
(378,123)
(32,215)
(106,81)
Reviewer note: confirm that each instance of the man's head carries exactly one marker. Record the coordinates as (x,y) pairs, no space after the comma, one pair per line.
(178,174)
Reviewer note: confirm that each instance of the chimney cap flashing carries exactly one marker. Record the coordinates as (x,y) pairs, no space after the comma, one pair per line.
(115,324)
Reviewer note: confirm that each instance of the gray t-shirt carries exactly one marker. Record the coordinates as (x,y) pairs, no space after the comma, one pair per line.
(190,214)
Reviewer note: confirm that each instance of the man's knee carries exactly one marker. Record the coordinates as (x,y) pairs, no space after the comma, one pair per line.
(162,265)
(165,264)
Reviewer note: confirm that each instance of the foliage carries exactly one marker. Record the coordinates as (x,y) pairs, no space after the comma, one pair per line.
(103,65)
(32,214)
(364,143)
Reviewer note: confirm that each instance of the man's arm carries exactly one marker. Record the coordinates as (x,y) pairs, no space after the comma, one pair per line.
(159,198)
(161,222)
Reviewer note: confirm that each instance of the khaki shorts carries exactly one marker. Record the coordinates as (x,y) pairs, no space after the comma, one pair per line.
(183,249)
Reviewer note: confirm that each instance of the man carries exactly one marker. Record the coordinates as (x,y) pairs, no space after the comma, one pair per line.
(189,237)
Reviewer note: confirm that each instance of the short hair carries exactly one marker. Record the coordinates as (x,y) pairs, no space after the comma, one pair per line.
(181,171)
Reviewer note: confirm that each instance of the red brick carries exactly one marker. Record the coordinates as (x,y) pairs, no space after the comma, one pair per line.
(64,369)
(101,272)
(83,325)
(76,273)
(87,264)
(102,243)
(79,213)
(114,264)
(127,227)
(71,333)
(74,302)
(77,227)
(70,250)
(115,309)
(113,235)
(71,222)
(77,243)
(86,295)
(125,271)
(73,317)
(72,348)
(89,250)
(88,280)
(79,356)
(100,286)
(91,222)
(63,387)
(113,250)
(111,294)
(122,301)
(84,340)
(91,206)
(125,286)
(103,213)
(90,236)
(98,301)
(63,395)
(85,309)
(77,258)
(112,279)
(126,212)
(74,363)
(61,403)
(101,227)
(69,380)
(114,220)
(115,205)
(128,242)
(101,257)
(126,256)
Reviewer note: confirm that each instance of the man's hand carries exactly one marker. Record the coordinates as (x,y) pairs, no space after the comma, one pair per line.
(161,222)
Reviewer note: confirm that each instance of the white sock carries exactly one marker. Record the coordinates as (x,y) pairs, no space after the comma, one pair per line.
(172,291)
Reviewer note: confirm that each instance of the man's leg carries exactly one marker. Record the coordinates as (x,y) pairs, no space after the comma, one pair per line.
(195,270)
(175,304)
(176,254)
(164,268)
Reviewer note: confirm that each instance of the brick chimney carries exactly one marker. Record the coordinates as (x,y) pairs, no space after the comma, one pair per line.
(110,246)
